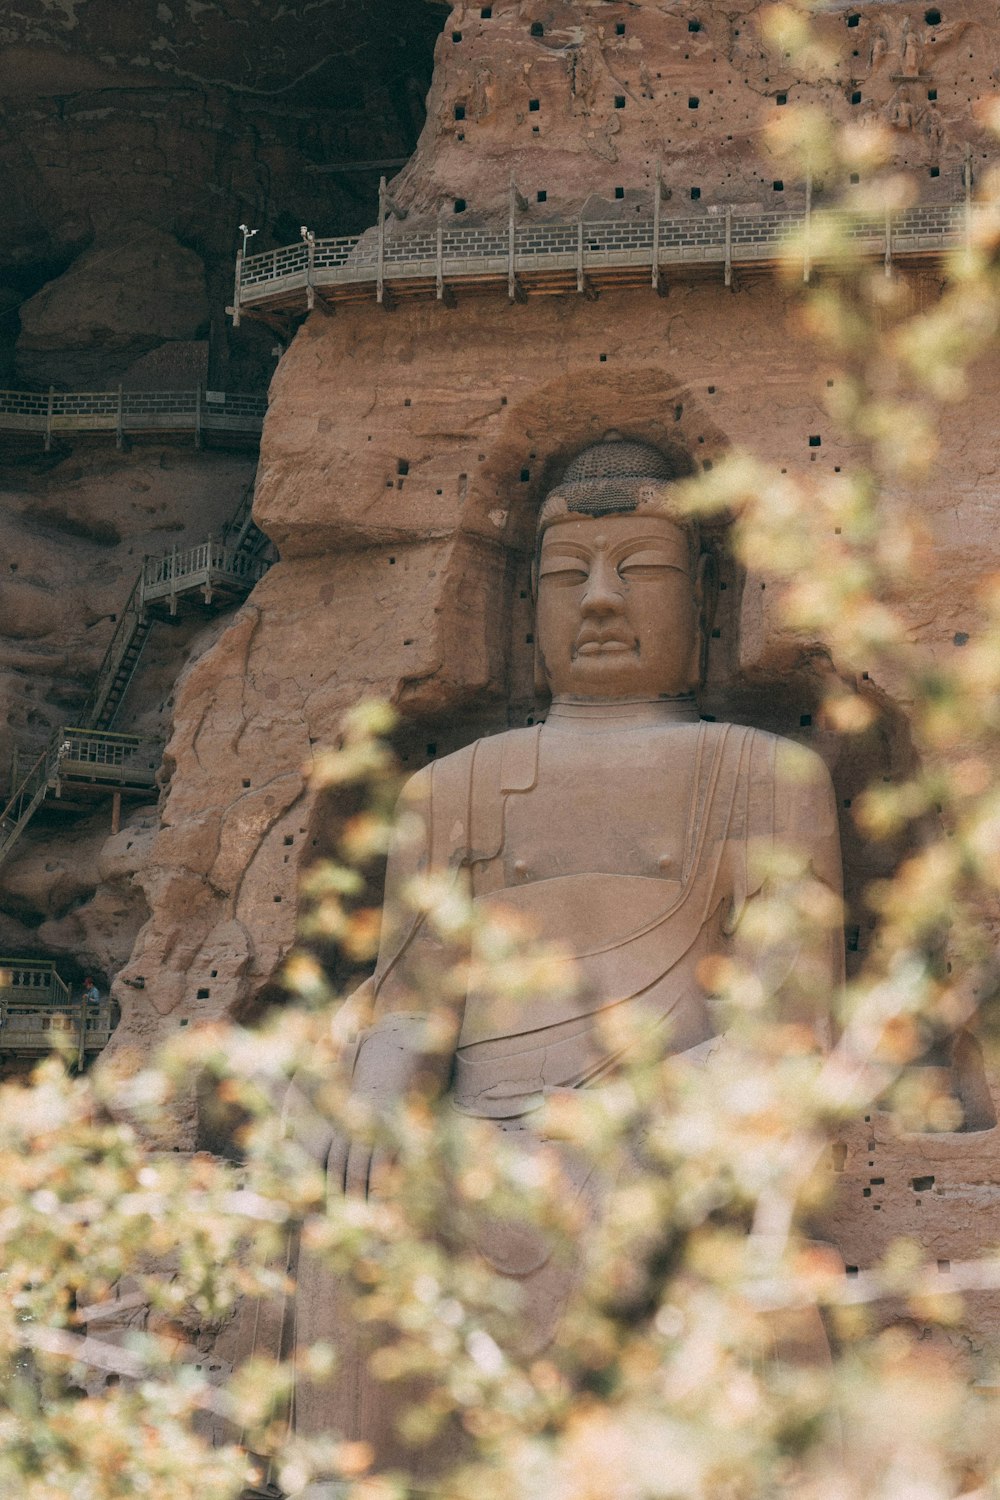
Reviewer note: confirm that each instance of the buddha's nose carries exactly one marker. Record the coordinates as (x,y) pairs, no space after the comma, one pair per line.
(603,594)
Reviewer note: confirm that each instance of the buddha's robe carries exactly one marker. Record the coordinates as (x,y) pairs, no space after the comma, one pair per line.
(634,927)
(634,941)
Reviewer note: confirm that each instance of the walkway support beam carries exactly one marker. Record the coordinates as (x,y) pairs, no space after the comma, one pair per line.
(807,231)
(310,270)
(237,287)
(657,197)
(380,278)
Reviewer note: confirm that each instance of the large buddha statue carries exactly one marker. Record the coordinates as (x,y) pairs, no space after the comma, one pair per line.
(624,828)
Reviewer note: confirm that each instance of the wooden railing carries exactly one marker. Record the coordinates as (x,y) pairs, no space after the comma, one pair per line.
(197,566)
(39,1013)
(101,755)
(520,253)
(92,756)
(125,413)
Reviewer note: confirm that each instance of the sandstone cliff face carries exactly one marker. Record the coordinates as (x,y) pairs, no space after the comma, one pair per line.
(579,102)
(118,301)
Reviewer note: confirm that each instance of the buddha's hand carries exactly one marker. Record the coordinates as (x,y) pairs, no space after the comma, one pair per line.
(390,1060)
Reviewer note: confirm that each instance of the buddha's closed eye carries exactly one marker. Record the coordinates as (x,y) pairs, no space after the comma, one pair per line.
(644,564)
(565,570)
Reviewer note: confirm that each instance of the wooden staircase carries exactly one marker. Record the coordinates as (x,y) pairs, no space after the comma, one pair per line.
(90,759)
(120,661)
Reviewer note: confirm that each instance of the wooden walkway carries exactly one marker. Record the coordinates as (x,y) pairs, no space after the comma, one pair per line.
(391,262)
(127,414)
(38,1013)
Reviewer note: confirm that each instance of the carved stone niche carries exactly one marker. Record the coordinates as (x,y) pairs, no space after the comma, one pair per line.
(566,824)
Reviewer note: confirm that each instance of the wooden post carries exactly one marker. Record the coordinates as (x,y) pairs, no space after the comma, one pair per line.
(656,224)
(380,292)
(120,420)
(82,1043)
(48,418)
(579,255)
(310,271)
(238,288)
(197,415)
(967,179)
(173,581)
(729,244)
(888,242)
(511,242)
(116,811)
(807,232)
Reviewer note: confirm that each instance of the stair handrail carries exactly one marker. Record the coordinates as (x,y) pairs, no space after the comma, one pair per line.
(234,527)
(60,993)
(242,531)
(28,793)
(127,624)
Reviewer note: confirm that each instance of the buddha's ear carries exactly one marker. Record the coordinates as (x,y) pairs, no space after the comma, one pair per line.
(534,578)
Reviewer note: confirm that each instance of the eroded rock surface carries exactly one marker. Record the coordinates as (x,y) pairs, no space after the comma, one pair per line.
(579,102)
(118,301)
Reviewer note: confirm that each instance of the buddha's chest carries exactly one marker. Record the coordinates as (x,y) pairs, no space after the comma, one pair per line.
(603,804)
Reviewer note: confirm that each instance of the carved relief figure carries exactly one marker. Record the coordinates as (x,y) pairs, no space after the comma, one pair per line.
(900,111)
(912,52)
(625,828)
(879,47)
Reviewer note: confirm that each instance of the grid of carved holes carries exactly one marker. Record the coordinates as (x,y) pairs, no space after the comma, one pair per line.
(932,18)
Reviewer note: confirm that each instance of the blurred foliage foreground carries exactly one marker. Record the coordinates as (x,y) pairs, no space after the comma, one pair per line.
(120,1264)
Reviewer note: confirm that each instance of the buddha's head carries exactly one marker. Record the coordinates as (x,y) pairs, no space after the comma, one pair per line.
(624,593)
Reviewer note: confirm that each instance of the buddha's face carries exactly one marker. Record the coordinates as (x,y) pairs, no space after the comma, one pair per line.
(619,613)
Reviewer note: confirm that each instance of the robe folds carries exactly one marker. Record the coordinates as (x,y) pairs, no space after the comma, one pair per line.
(630,975)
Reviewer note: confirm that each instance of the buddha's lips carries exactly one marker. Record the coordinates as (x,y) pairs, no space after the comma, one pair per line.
(601,645)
